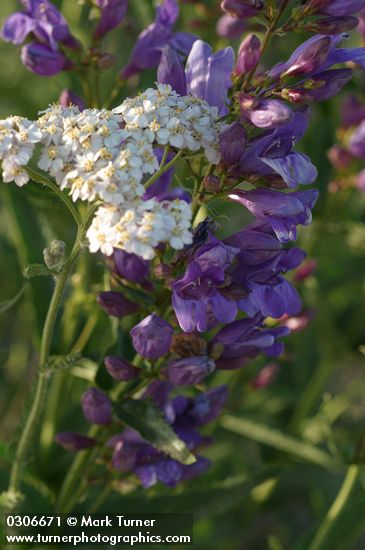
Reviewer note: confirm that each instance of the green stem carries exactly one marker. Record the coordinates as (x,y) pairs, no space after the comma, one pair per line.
(163,168)
(47,334)
(320,538)
(267,40)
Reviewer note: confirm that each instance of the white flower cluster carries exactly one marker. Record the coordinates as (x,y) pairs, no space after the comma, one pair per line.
(140,227)
(18,137)
(106,155)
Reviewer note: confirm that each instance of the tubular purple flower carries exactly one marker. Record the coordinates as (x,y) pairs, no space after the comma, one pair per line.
(268,113)
(241,9)
(283,211)
(340,8)
(208,75)
(17,27)
(97,407)
(306,59)
(352,111)
(230,27)
(112,13)
(68,98)
(333,25)
(248,55)
(152,337)
(147,51)
(115,304)
(130,267)
(329,84)
(171,70)
(120,370)
(189,370)
(208,405)
(74,442)
(232,143)
(43,60)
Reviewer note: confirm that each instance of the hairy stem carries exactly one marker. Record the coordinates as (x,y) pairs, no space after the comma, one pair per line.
(47,335)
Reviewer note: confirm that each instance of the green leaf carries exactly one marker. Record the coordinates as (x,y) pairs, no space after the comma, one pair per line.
(146,419)
(275,438)
(36,270)
(7,304)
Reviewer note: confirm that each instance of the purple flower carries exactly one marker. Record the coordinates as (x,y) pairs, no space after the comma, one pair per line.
(352,111)
(96,407)
(283,211)
(207,406)
(230,27)
(121,370)
(189,370)
(360,180)
(208,75)
(339,8)
(152,337)
(112,13)
(333,25)
(147,51)
(242,340)
(248,55)
(68,98)
(326,84)
(268,113)
(74,442)
(115,304)
(232,142)
(271,296)
(41,19)
(306,59)
(129,266)
(171,70)
(270,155)
(43,60)
(199,298)
(241,9)
(17,27)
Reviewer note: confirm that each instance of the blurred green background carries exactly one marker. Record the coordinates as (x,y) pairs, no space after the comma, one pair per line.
(264,490)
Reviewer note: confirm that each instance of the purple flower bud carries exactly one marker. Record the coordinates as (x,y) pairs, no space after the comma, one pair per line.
(339,8)
(208,405)
(152,337)
(268,113)
(68,98)
(115,304)
(248,54)
(189,370)
(171,70)
(43,60)
(97,407)
(112,13)
(130,267)
(212,183)
(266,376)
(230,27)
(74,442)
(333,25)
(121,370)
(357,142)
(240,8)
(331,82)
(232,143)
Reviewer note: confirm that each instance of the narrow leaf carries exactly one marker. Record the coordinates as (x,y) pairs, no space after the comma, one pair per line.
(146,419)
(274,438)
